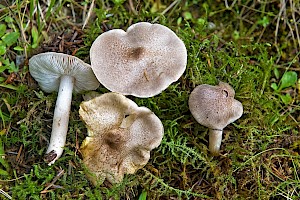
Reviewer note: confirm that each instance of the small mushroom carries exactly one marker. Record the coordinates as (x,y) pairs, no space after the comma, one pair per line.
(143,61)
(120,137)
(65,74)
(215,108)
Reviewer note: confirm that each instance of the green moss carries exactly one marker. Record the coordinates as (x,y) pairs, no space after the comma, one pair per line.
(234,44)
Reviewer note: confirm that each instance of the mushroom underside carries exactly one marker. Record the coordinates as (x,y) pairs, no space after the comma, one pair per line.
(65,74)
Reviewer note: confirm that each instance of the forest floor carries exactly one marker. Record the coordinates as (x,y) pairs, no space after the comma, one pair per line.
(252,45)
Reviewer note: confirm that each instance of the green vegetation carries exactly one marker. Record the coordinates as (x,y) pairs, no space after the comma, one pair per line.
(252,45)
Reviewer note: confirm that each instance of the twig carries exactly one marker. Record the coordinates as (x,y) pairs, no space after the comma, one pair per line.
(84,11)
(295,21)
(292,33)
(60,173)
(166,10)
(132,7)
(291,68)
(41,12)
(73,12)
(19,154)
(11,180)
(88,14)
(282,8)
(5,194)
(231,6)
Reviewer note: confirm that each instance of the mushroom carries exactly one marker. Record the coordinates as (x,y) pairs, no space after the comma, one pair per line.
(215,108)
(65,74)
(143,61)
(120,137)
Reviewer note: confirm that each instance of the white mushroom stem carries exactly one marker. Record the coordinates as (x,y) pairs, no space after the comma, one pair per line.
(215,139)
(60,119)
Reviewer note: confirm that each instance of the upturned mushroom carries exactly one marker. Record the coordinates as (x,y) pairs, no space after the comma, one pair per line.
(215,108)
(120,137)
(65,74)
(143,61)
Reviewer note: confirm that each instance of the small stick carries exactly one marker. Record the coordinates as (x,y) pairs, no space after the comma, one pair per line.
(132,7)
(60,173)
(19,153)
(5,194)
(88,14)
(166,10)
(295,21)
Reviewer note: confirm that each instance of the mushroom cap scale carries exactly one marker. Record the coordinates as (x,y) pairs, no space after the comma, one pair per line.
(47,68)
(120,136)
(215,106)
(143,61)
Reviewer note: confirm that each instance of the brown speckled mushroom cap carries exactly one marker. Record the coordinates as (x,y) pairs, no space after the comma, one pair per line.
(143,61)
(120,136)
(215,106)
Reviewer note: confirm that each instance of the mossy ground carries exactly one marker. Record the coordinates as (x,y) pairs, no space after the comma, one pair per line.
(252,45)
